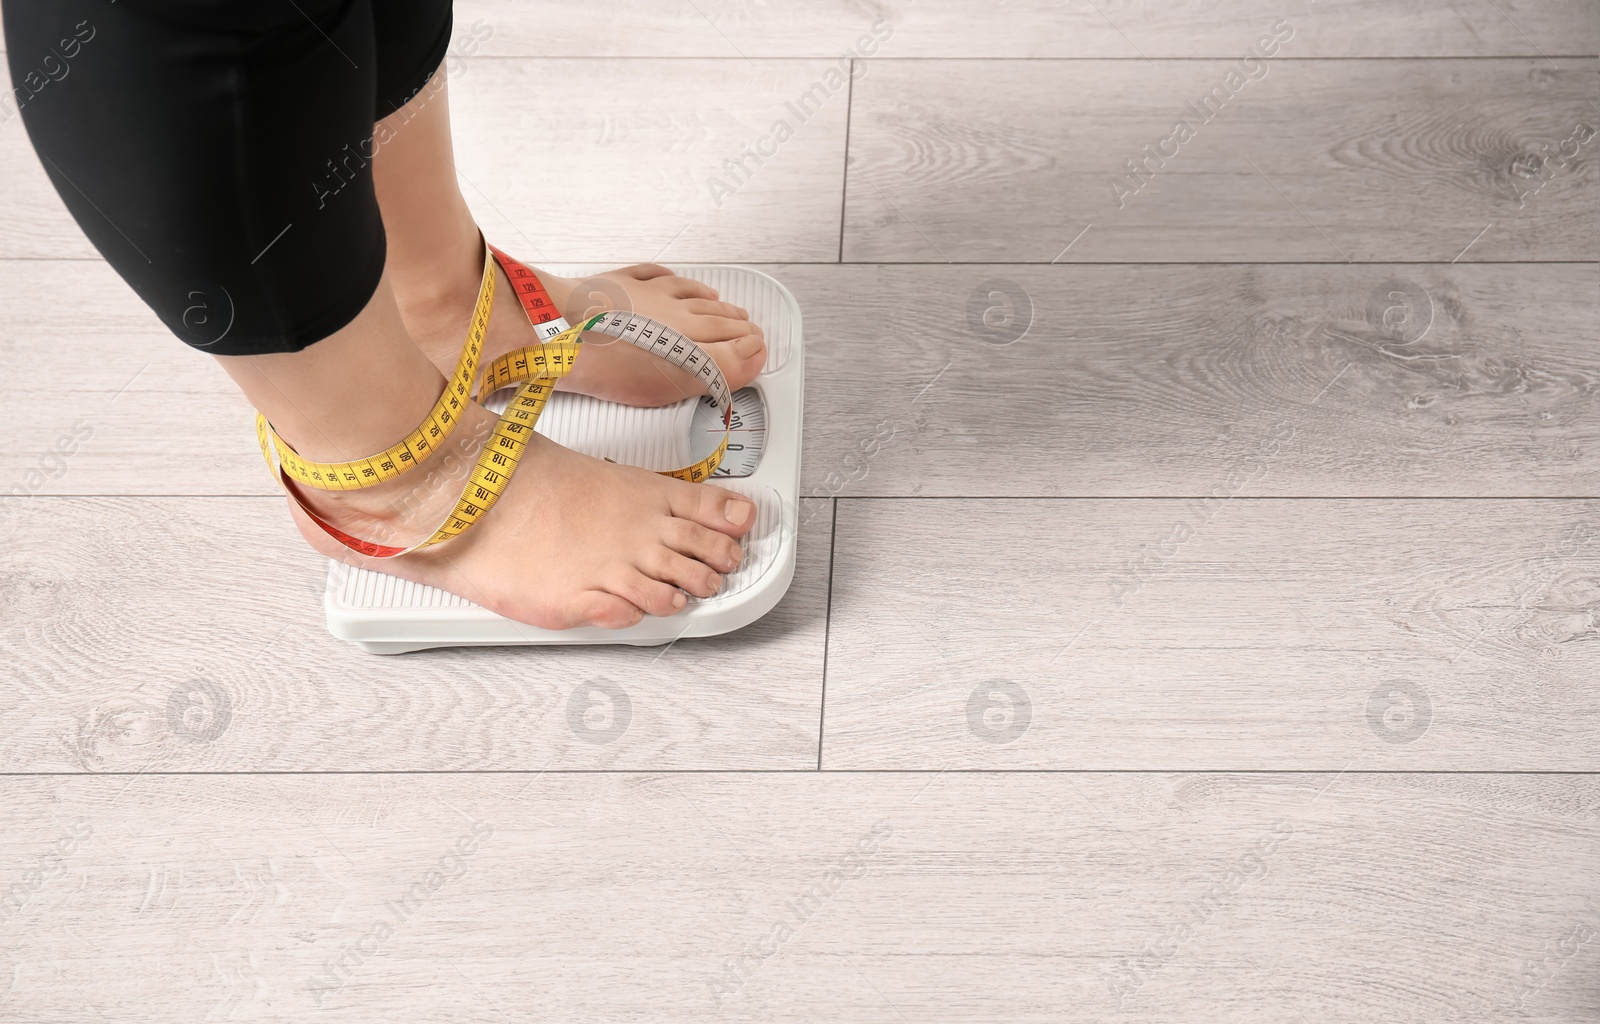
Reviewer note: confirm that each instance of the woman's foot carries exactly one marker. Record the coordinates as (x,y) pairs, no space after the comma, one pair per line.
(620,372)
(608,368)
(574,541)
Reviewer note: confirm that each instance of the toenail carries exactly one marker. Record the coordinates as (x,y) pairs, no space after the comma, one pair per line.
(678,600)
(747,346)
(737,511)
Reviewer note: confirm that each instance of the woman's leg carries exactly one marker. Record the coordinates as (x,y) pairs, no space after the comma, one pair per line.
(574,541)
(180,147)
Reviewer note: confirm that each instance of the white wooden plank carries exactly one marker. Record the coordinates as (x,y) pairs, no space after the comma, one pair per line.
(606,898)
(1018,28)
(1108,392)
(116,613)
(583,160)
(98,397)
(1227,633)
(1021,28)
(1155,380)
(1315,160)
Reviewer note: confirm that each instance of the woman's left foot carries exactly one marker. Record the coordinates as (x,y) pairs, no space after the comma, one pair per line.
(608,368)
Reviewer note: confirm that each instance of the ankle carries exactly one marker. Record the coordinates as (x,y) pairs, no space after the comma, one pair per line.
(410,506)
(439,278)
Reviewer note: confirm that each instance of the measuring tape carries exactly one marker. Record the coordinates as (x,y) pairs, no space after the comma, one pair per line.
(441,421)
(536,368)
(554,358)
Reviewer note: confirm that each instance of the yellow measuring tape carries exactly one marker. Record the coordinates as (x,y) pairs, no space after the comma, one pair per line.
(536,368)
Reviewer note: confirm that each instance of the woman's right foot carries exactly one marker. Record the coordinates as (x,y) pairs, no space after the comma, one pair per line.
(573,541)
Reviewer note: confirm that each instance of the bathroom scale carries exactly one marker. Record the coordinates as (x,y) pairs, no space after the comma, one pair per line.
(387,615)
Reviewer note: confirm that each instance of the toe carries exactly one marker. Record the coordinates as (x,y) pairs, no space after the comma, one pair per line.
(655,596)
(740,359)
(750,346)
(683,288)
(708,307)
(646,271)
(706,329)
(589,608)
(717,550)
(608,611)
(712,507)
(686,573)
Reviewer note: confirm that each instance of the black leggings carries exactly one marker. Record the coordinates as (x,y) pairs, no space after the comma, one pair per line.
(217,152)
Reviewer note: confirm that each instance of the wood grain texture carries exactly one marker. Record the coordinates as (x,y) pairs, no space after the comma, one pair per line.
(1025,28)
(1142,381)
(1224,634)
(82,358)
(114,611)
(1316,161)
(36,222)
(619,898)
(1155,380)
(595,160)
(613,160)
(1368,654)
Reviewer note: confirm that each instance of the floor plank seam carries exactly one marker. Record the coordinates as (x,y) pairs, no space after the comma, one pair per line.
(844,176)
(1193,263)
(168,496)
(1196,497)
(766,262)
(827,623)
(1540,772)
(1025,60)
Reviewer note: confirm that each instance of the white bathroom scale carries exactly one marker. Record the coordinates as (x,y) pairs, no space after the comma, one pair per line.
(387,615)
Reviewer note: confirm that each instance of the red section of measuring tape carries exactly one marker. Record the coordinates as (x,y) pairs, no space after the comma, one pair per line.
(356,544)
(528,288)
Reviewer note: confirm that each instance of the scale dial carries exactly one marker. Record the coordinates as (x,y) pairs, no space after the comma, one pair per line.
(746,440)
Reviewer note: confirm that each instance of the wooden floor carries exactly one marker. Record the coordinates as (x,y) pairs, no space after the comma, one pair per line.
(1213,635)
